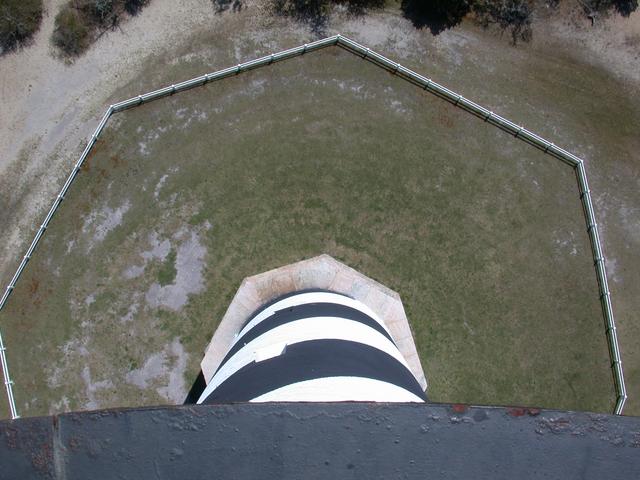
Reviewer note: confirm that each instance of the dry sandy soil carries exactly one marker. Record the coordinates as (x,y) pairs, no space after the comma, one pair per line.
(50,107)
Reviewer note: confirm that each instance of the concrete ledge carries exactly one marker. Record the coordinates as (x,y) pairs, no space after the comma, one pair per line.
(321,441)
(319,272)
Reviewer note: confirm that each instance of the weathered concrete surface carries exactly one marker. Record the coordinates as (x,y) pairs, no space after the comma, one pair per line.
(338,440)
(322,272)
(26,448)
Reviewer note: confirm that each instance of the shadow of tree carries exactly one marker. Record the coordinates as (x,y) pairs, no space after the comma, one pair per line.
(316,13)
(513,16)
(224,5)
(592,8)
(625,7)
(436,15)
(133,7)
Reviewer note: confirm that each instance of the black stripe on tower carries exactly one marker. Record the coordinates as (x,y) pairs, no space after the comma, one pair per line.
(302,312)
(311,360)
(289,295)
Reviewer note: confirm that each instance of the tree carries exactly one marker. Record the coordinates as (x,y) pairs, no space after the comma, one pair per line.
(511,15)
(70,33)
(80,22)
(316,12)
(437,15)
(593,7)
(19,20)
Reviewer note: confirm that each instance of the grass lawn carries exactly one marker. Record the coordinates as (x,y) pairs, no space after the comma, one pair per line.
(482,236)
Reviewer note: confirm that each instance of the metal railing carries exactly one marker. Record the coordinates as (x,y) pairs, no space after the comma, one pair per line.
(407,74)
(547,147)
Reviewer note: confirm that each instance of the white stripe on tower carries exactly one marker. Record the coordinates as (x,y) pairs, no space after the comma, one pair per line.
(304,299)
(304,330)
(339,389)
(313,346)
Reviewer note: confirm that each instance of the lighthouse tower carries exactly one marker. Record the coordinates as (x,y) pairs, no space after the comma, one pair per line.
(316,332)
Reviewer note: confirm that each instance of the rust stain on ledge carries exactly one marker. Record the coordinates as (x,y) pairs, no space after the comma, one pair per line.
(522,411)
(459,408)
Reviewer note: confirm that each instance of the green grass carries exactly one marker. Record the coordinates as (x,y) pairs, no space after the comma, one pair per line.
(482,236)
(167,272)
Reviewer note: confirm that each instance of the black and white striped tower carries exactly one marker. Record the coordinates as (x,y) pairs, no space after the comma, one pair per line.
(313,346)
